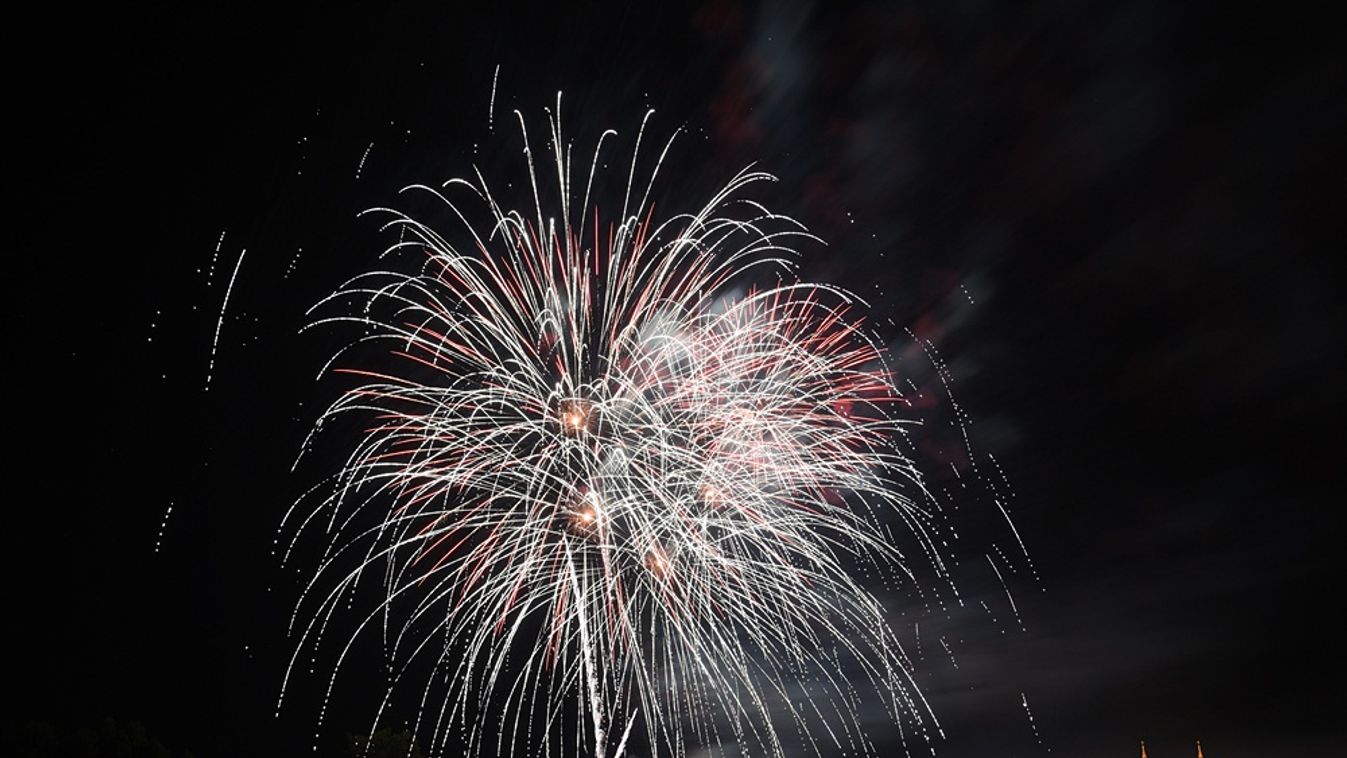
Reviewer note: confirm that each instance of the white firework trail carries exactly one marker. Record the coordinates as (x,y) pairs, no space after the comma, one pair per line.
(363,157)
(1024,700)
(600,493)
(210,272)
(949,652)
(294,261)
(491,105)
(163,526)
(219,323)
(1009,597)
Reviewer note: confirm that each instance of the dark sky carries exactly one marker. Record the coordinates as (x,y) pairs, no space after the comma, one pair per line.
(1116,222)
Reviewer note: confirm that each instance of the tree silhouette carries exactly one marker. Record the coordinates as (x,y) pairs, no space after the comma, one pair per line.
(384,743)
(107,738)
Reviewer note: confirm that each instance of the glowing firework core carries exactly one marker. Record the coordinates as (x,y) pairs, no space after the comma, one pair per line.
(575,415)
(610,408)
(585,517)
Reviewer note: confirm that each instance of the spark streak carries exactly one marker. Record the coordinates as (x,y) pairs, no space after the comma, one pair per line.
(219,324)
(491,105)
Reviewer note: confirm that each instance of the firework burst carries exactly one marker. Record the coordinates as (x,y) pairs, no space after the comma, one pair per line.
(612,492)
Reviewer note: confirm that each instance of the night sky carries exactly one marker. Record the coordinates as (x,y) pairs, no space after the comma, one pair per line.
(1117,223)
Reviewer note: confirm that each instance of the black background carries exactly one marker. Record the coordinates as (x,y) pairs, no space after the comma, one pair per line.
(1118,223)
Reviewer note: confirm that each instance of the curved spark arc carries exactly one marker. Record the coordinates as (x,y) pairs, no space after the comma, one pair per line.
(599,488)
